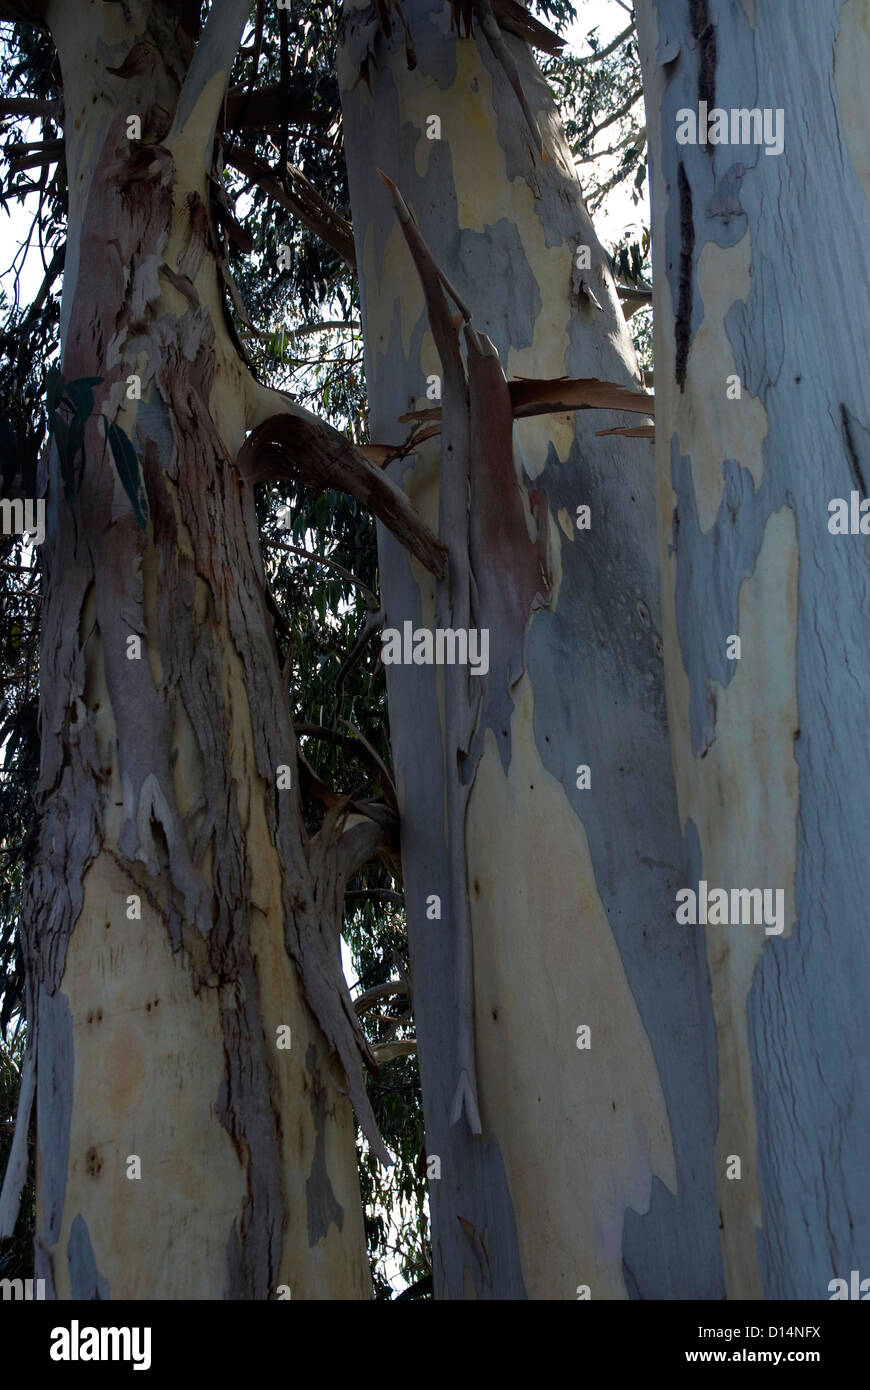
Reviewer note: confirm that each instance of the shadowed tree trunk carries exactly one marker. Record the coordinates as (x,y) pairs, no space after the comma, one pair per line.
(592,1166)
(179,918)
(762,308)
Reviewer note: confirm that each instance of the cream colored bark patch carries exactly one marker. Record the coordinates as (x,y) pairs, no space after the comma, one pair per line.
(148,1066)
(581,1132)
(851,76)
(743,799)
(710,426)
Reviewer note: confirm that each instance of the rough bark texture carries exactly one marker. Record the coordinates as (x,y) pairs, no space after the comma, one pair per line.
(760,274)
(593,1167)
(157,1037)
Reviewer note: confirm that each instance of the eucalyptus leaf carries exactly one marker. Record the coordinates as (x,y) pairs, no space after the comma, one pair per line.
(127,465)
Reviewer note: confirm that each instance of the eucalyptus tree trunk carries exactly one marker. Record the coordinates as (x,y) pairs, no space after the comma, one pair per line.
(537,907)
(191,1051)
(762,308)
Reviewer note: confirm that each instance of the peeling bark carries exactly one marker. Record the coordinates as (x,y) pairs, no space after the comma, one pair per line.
(592,1167)
(755,281)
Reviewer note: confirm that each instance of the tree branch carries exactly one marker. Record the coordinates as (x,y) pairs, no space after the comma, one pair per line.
(605,52)
(51,152)
(371,598)
(388,1052)
(23,11)
(355,748)
(288,442)
(303,201)
(268,108)
(618,114)
(54,269)
(213,57)
(30,107)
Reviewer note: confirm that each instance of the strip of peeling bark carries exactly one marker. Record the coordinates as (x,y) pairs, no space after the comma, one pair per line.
(303,201)
(296,444)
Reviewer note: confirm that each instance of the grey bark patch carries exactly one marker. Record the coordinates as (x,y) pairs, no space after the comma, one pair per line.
(324,1209)
(725,202)
(710,569)
(85,1278)
(487,259)
(54,1099)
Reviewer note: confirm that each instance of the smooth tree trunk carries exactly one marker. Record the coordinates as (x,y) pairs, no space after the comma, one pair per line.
(592,1173)
(762,339)
(179,921)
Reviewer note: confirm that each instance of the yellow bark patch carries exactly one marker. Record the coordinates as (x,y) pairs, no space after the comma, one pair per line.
(397,283)
(148,1065)
(592,1124)
(743,799)
(851,67)
(709,426)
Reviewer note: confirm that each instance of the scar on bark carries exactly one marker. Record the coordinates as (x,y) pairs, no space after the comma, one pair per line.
(851,451)
(704,33)
(683,321)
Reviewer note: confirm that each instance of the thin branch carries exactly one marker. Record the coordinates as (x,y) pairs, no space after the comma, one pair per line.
(355,747)
(605,52)
(617,115)
(371,624)
(54,270)
(307,328)
(386,773)
(330,564)
(633,137)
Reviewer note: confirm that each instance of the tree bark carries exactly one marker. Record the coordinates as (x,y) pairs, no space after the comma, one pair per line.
(593,1167)
(156,1037)
(760,279)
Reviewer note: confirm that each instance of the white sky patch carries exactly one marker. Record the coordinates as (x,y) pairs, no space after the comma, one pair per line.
(618,216)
